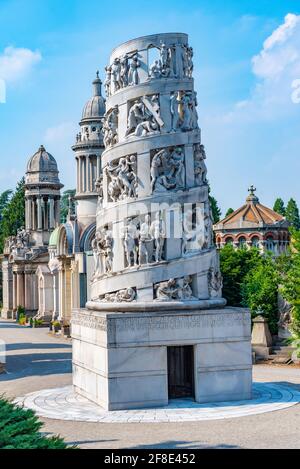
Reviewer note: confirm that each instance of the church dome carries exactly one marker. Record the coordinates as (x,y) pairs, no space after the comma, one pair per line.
(42,167)
(95,107)
(42,161)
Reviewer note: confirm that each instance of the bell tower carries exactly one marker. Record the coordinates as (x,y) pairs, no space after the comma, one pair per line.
(42,197)
(88,150)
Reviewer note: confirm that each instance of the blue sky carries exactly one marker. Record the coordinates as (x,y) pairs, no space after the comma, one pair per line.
(247,56)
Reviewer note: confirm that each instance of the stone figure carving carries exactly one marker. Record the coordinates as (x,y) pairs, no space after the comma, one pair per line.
(215,279)
(158,234)
(99,189)
(174,108)
(144,117)
(164,66)
(208,223)
(130,236)
(102,246)
(126,295)
(285,317)
(121,73)
(183,108)
(167,170)
(122,179)
(107,81)
(145,240)
(185,64)
(22,238)
(200,169)
(133,75)
(116,74)
(189,233)
(110,127)
(175,289)
(215,283)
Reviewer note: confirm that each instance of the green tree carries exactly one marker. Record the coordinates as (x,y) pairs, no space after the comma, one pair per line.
(279,207)
(64,204)
(292,214)
(19,429)
(260,291)
(4,199)
(290,289)
(215,210)
(235,265)
(13,214)
(229,212)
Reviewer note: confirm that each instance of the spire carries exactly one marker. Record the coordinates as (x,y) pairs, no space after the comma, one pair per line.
(97,85)
(252,197)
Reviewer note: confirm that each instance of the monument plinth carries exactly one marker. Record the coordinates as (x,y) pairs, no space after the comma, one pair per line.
(156,327)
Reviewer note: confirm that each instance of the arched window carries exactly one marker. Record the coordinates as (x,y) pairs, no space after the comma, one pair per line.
(242,242)
(255,241)
(229,241)
(270,244)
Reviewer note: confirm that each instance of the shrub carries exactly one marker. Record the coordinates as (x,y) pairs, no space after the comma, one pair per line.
(260,291)
(19,429)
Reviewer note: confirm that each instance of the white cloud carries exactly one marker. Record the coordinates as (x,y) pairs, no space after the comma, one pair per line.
(276,69)
(280,51)
(16,63)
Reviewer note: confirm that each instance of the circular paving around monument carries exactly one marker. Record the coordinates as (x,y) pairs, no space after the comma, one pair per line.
(64,404)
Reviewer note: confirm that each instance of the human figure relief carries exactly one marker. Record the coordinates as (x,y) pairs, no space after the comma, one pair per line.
(122,179)
(130,236)
(158,234)
(200,169)
(144,117)
(167,170)
(145,240)
(110,127)
(126,295)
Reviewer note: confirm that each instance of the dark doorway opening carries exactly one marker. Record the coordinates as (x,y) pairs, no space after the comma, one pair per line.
(181,372)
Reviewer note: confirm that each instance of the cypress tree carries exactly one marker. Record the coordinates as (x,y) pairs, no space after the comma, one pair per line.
(13,215)
(292,214)
(279,207)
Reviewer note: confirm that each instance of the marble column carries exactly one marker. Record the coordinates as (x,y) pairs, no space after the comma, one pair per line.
(20,290)
(39,214)
(15,292)
(51,213)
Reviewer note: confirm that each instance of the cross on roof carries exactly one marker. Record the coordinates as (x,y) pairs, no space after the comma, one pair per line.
(252,189)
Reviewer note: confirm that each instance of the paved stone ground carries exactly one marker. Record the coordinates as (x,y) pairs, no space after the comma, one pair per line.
(65,404)
(38,361)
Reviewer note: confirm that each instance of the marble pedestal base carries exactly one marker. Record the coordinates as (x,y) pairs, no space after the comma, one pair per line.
(120,358)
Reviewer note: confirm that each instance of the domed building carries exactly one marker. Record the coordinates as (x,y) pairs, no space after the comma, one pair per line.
(71,253)
(256,225)
(27,281)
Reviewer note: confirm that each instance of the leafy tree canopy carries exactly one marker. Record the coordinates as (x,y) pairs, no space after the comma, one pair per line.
(64,204)
(229,212)
(13,214)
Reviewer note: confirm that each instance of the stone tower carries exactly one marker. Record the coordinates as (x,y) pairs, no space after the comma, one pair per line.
(42,197)
(161,329)
(88,149)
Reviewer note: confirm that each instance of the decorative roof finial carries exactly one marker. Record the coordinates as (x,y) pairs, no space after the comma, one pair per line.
(252,197)
(97,85)
(252,189)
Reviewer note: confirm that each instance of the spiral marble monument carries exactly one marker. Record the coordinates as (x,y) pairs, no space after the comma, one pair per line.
(156,327)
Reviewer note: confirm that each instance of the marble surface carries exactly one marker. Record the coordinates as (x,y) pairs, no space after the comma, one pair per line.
(64,404)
